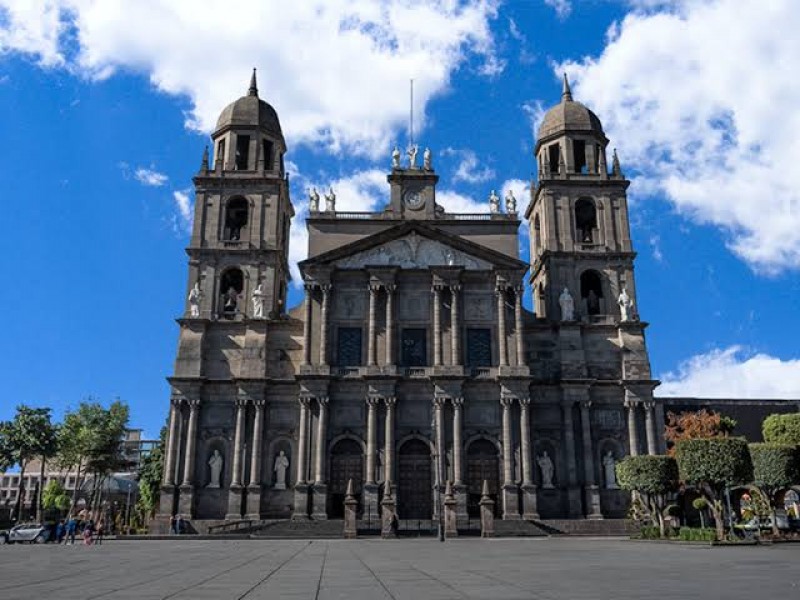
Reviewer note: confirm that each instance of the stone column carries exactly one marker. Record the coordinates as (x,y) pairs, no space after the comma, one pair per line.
(518,333)
(254,488)
(650,426)
(441,454)
(437,325)
(591,489)
(573,492)
(186,501)
(371,339)
(388,447)
(301,485)
(501,325)
(172,442)
(390,325)
(509,488)
(323,331)
(307,325)
(319,511)
(235,490)
(529,499)
(455,327)
(633,428)
(459,489)
(370,500)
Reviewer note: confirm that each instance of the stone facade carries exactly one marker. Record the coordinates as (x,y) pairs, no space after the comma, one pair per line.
(411,359)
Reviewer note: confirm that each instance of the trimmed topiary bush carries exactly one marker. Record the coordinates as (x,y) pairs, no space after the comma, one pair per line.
(775,467)
(652,478)
(782,429)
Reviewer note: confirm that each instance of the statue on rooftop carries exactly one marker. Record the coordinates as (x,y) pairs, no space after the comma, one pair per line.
(494,202)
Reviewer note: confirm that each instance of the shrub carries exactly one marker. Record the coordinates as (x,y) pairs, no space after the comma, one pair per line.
(652,478)
(782,429)
(692,534)
(775,466)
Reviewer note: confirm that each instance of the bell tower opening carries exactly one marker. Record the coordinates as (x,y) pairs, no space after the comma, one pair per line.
(592,291)
(235,219)
(585,220)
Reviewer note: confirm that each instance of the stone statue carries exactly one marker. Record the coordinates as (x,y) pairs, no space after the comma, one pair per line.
(567,306)
(195,295)
(396,157)
(546,466)
(379,465)
(610,470)
(231,300)
(313,200)
(511,203)
(426,160)
(412,156)
(258,303)
(494,202)
(215,462)
(592,303)
(449,257)
(281,465)
(625,305)
(330,201)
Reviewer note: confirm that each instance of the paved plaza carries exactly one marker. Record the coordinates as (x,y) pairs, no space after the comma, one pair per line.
(399,569)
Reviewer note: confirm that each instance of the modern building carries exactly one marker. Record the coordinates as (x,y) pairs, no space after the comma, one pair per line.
(411,359)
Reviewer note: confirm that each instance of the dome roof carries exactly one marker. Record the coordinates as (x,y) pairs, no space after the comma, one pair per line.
(569,115)
(250,110)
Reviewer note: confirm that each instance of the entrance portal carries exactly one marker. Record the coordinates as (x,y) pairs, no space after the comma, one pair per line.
(415,486)
(482,464)
(347,462)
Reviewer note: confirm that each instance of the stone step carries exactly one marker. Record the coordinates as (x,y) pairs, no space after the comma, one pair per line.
(300,529)
(518,528)
(600,527)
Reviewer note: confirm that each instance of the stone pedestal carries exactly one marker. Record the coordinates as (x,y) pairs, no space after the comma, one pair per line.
(450,516)
(388,517)
(350,510)
(300,501)
(574,504)
(235,498)
(593,510)
(186,502)
(370,509)
(254,502)
(530,510)
(166,502)
(487,513)
(510,503)
(319,509)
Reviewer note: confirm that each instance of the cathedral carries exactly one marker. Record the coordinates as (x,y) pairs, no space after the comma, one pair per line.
(411,362)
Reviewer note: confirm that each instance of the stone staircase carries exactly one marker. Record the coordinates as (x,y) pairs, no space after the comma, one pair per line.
(518,529)
(600,527)
(303,529)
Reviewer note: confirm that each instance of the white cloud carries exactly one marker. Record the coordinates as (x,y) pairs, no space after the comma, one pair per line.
(701,98)
(184,210)
(337,71)
(733,373)
(470,169)
(563,8)
(150,177)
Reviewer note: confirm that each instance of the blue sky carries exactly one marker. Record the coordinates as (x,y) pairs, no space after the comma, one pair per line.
(106,108)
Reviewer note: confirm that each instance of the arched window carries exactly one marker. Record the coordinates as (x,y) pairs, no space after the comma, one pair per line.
(585,220)
(235,219)
(592,291)
(230,287)
(537,234)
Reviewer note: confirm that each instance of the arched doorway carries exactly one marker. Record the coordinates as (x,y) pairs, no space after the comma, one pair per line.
(347,462)
(415,485)
(483,463)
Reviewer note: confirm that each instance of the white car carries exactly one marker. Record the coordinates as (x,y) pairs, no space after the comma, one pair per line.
(29,532)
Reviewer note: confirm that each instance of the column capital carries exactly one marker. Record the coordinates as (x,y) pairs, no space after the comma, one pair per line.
(374,287)
(241,402)
(309,287)
(455,287)
(305,401)
(439,401)
(259,403)
(586,404)
(524,401)
(438,286)
(372,401)
(631,403)
(506,401)
(194,403)
(390,288)
(390,401)
(649,404)
(176,401)
(458,401)
(326,288)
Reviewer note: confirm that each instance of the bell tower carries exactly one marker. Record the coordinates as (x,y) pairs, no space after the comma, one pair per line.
(578,215)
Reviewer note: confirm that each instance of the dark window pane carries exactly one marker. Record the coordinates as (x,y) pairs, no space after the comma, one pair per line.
(479,347)
(348,351)
(414,348)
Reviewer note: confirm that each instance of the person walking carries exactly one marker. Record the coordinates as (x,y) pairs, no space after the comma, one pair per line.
(60,531)
(72,527)
(99,537)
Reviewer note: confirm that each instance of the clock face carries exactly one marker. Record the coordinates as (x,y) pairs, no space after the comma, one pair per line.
(413,199)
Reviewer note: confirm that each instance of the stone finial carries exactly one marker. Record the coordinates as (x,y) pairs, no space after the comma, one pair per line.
(601,163)
(253,90)
(616,169)
(349,492)
(387,489)
(566,92)
(485,490)
(204,163)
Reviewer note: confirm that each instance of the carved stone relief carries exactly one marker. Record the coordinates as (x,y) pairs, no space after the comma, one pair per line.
(413,252)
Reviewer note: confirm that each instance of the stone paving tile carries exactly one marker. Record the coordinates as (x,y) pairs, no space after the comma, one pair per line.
(550,569)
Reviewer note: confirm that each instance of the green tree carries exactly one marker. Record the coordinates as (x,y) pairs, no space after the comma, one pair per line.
(782,429)
(775,467)
(55,496)
(150,477)
(29,435)
(90,440)
(652,478)
(711,465)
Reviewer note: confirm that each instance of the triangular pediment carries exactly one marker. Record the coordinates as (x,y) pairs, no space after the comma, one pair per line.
(415,246)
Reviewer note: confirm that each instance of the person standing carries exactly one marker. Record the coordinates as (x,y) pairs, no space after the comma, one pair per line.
(59,531)
(72,526)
